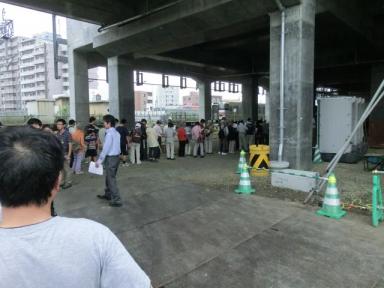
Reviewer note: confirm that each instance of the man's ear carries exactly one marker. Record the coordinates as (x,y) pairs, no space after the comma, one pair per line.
(56,187)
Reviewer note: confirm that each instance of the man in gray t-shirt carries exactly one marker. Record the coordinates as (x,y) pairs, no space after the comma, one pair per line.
(37,250)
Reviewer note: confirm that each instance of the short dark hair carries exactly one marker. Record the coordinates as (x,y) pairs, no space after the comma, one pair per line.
(46,126)
(91,119)
(30,164)
(123,121)
(109,119)
(71,122)
(61,120)
(33,121)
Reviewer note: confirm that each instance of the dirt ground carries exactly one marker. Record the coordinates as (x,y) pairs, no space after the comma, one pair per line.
(353,182)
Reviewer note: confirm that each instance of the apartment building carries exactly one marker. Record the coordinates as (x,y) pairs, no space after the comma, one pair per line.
(167,97)
(10,94)
(37,77)
(27,71)
(143,101)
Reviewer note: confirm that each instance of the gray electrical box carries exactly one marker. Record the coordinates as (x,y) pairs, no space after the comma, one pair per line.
(304,181)
(338,116)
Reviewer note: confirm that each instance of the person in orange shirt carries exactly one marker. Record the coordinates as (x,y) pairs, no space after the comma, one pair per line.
(182,135)
(78,147)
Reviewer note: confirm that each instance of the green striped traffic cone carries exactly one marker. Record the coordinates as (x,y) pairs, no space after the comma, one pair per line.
(317,156)
(241,162)
(245,182)
(331,204)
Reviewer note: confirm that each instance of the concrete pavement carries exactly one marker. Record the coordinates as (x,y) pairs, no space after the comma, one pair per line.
(187,234)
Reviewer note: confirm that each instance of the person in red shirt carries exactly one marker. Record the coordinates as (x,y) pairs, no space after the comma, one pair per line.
(182,136)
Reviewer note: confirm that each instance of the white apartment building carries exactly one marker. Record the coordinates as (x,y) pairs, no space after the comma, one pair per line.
(27,71)
(37,79)
(167,97)
(10,94)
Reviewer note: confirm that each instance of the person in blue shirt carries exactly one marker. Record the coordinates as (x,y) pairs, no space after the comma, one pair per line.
(110,156)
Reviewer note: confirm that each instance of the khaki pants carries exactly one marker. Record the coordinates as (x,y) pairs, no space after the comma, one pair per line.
(170,150)
(135,151)
(67,174)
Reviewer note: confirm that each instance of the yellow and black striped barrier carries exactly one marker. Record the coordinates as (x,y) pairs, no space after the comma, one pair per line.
(259,159)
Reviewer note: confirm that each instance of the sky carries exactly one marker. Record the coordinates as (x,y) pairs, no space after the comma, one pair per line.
(29,22)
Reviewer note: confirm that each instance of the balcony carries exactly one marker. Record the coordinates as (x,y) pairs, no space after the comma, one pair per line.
(27,56)
(27,81)
(39,61)
(40,70)
(26,73)
(27,90)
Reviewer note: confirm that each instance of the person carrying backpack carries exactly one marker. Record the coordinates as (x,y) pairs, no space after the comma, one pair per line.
(223,133)
(250,132)
(135,144)
(231,138)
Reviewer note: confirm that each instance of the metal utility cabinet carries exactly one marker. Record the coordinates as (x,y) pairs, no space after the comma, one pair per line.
(337,117)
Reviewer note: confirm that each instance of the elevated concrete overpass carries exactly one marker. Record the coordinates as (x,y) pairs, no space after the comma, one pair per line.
(329,43)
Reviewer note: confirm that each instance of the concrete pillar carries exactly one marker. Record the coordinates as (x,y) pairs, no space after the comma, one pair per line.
(121,89)
(79,91)
(250,93)
(298,85)
(205,99)
(376,119)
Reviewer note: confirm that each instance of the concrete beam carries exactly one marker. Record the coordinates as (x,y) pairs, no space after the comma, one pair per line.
(79,98)
(250,93)
(352,12)
(121,89)
(158,64)
(205,99)
(96,11)
(186,24)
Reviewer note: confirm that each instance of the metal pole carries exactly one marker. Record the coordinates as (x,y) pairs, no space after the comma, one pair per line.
(55,48)
(282,47)
(282,54)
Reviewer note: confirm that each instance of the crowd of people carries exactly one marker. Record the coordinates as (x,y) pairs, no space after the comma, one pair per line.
(147,142)
(34,166)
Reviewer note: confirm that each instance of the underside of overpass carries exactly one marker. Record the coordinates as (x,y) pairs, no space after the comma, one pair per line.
(329,43)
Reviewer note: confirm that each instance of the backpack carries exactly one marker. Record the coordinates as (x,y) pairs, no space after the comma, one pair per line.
(250,129)
(221,133)
(136,136)
(231,133)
